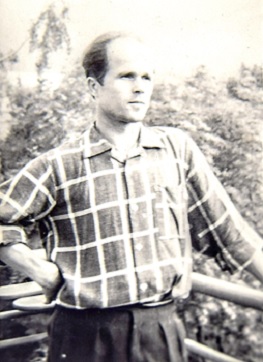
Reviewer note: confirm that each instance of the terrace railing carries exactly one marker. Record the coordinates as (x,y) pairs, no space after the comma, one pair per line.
(28,299)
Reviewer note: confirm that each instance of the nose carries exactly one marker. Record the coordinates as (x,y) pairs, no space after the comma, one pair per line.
(138,86)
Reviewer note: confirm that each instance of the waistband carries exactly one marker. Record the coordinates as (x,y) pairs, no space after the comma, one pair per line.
(147,305)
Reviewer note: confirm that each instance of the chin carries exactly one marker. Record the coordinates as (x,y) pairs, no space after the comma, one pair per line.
(137,118)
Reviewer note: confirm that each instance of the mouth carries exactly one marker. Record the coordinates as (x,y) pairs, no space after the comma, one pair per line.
(136,102)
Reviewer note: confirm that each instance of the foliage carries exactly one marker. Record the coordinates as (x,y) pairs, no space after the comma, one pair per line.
(48,35)
(225,119)
(41,120)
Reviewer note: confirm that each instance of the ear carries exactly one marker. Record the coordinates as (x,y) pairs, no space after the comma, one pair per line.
(93,86)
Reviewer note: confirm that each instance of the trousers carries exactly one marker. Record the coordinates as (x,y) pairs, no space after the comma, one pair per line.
(130,334)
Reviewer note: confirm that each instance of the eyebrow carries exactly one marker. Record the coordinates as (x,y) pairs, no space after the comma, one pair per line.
(125,73)
(130,73)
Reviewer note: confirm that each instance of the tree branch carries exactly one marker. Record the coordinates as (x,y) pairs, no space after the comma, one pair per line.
(14,52)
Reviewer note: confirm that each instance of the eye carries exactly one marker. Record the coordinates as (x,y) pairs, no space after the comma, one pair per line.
(146,77)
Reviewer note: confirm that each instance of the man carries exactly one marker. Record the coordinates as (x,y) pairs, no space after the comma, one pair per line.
(116,209)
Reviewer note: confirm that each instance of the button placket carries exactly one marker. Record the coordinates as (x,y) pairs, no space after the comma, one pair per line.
(135,189)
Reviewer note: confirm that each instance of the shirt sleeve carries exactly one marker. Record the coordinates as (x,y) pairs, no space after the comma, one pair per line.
(216,226)
(24,199)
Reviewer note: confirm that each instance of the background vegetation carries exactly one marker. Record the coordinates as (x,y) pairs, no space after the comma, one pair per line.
(225,119)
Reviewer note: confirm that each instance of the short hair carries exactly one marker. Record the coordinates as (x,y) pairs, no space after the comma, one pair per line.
(95,61)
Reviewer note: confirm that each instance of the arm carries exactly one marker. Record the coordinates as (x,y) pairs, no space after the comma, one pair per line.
(218,229)
(45,273)
(26,198)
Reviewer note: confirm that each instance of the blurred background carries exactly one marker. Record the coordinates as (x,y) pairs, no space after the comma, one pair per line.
(208,57)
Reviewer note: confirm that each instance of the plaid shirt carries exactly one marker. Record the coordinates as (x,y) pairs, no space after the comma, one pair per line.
(119,229)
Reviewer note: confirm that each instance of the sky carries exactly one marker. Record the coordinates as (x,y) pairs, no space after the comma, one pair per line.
(220,34)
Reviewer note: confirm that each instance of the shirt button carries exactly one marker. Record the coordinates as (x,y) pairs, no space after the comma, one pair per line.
(134,207)
(138,247)
(143,287)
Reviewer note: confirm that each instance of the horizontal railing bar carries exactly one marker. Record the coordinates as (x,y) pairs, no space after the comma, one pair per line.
(12,342)
(19,290)
(207,352)
(33,303)
(8,314)
(232,292)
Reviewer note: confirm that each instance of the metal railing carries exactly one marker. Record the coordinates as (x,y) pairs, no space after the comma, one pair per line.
(27,299)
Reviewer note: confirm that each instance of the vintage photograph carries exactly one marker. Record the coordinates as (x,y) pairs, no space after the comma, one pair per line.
(131,181)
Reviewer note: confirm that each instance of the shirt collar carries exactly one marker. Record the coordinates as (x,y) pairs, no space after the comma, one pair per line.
(95,144)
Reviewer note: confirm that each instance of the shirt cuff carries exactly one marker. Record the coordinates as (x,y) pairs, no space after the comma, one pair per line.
(11,235)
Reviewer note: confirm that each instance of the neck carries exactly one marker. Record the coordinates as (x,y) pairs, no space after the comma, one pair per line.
(122,135)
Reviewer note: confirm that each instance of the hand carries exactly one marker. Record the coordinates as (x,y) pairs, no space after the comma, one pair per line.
(50,279)
(45,273)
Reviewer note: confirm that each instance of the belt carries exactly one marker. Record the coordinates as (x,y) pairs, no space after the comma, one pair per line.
(150,304)
(156,304)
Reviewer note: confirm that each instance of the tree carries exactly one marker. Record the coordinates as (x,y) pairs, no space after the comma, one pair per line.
(48,36)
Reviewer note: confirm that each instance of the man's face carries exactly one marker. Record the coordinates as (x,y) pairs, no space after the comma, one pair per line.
(126,92)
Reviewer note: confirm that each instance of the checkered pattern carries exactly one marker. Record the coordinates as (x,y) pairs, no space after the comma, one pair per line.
(119,229)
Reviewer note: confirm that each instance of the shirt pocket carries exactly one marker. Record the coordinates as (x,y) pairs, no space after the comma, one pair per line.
(170,210)
(169,213)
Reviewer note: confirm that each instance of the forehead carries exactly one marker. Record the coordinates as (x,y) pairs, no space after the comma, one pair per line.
(129,54)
